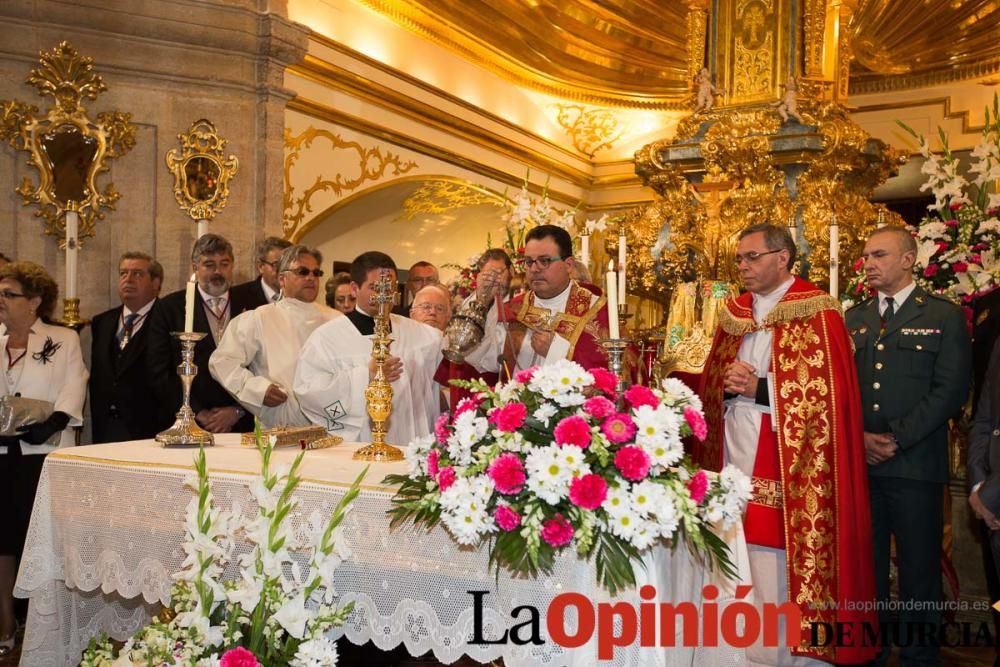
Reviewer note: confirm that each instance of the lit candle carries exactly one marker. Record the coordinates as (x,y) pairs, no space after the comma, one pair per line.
(881,218)
(72,231)
(202,227)
(834,258)
(622,245)
(585,249)
(612,287)
(189,305)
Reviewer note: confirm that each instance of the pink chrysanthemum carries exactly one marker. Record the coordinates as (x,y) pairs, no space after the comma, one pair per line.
(632,463)
(637,395)
(238,657)
(506,517)
(441,428)
(524,377)
(557,531)
(507,473)
(432,463)
(588,491)
(605,381)
(696,421)
(618,428)
(598,407)
(573,430)
(698,486)
(508,418)
(445,478)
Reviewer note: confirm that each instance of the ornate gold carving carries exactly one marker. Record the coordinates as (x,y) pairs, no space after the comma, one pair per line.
(434,197)
(67,148)
(697,31)
(592,130)
(814,24)
(373,164)
(201,171)
(754,52)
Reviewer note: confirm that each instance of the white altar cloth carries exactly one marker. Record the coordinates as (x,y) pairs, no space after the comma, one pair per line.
(107,527)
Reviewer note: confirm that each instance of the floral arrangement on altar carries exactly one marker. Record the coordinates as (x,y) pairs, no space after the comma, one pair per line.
(549,462)
(958,242)
(264,619)
(523,213)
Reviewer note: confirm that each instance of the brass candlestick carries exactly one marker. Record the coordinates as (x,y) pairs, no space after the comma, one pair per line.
(185,432)
(378,393)
(71,315)
(615,347)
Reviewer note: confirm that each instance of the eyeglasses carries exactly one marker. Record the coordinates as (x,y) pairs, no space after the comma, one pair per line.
(428,307)
(302,272)
(7,295)
(273,265)
(752,257)
(542,262)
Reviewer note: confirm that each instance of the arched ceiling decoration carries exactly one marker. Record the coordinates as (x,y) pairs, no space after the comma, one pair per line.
(633,53)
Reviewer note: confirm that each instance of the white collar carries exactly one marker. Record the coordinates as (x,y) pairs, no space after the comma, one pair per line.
(763,304)
(268,292)
(126,311)
(555,302)
(205,296)
(898,299)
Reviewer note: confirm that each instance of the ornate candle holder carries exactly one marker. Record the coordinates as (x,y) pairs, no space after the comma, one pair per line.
(378,393)
(615,347)
(185,432)
(71,315)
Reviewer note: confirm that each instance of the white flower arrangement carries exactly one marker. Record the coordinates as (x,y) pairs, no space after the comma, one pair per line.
(264,618)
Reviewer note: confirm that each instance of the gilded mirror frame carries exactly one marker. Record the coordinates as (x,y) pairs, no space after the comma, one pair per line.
(200,146)
(68,78)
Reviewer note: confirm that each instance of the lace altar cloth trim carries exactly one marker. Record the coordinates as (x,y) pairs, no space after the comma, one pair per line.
(105,537)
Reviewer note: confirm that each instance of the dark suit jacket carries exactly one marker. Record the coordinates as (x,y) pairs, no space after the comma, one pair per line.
(983,463)
(164,355)
(913,378)
(121,386)
(986,330)
(251,294)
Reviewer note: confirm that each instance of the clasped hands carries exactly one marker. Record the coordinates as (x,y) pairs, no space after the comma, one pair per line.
(980,510)
(740,379)
(880,447)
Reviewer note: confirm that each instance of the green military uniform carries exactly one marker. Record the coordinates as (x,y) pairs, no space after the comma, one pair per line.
(915,372)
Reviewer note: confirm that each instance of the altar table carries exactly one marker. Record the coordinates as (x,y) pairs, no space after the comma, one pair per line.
(107,528)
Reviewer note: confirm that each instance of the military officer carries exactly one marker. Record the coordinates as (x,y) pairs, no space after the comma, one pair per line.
(913,357)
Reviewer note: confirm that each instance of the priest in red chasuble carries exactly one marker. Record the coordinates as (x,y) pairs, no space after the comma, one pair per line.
(782,403)
(558,318)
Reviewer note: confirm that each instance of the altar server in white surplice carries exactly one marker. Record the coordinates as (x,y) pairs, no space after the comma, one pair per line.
(336,366)
(255,361)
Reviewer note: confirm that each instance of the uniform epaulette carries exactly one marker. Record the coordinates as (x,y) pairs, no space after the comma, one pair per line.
(860,303)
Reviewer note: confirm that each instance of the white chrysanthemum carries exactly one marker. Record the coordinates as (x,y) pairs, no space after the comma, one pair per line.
(548,473)
(656,426)
(544,413)
(644,534)
(665,512)
(645,496)
(618,502)
(574,461)
(989,225)
(469,429)
(464,508)
(562,382)
(736,491)
(673,391)
(624,525)
(416,455)
(320,652)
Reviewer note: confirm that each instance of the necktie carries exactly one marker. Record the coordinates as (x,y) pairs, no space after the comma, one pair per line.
(214,303)
(890,309)
(126,333)
(274,297)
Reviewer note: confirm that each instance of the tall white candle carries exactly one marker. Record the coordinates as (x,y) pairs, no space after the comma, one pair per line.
(622,253)
(612,288)
(202,227)
(834,258)
(585,249)
(189,305)
(881,218)
(72,231)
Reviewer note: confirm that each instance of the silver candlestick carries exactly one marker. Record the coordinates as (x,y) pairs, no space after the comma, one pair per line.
(615,347)
(185,432)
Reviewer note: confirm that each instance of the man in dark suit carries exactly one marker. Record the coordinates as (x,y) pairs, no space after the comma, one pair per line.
(215,305)
(913,359)
(120,382)
(418,277)
(264,288)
